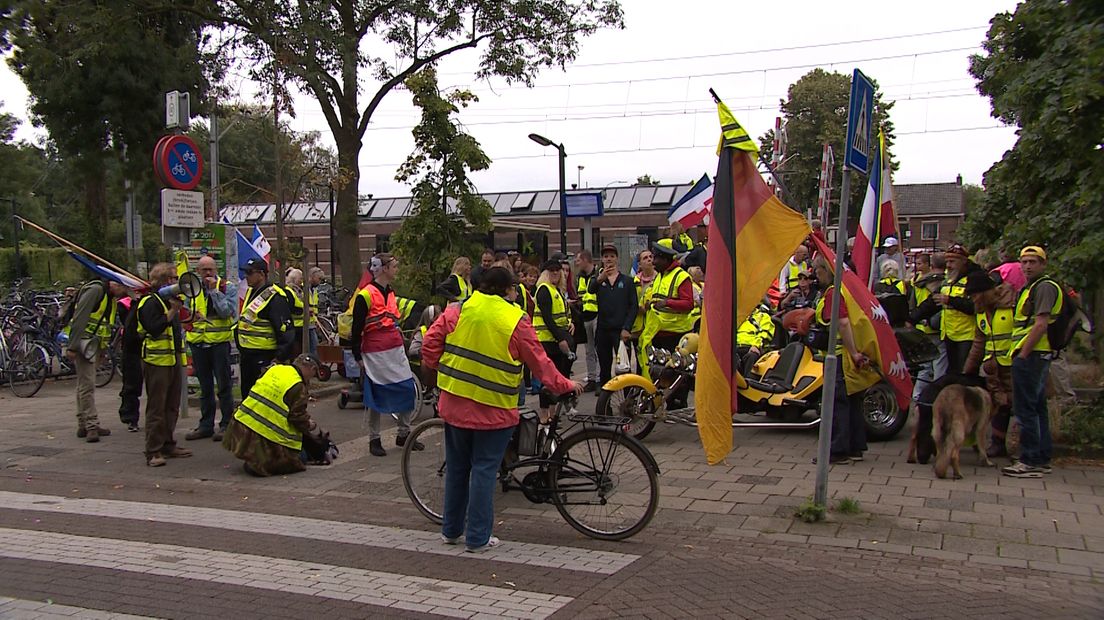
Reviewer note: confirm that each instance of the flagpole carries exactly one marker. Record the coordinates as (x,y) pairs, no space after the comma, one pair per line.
(65,242)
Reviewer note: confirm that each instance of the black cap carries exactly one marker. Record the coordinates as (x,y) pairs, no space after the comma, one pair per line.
(552,264)
(979,282)
(558,257)
(664,250)
(609,247)
(255,264)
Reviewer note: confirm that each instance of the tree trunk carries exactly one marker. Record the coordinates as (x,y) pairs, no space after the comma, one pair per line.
(346,231)
(94,172)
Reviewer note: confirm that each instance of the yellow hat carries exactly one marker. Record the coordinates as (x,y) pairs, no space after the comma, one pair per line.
(1033,250)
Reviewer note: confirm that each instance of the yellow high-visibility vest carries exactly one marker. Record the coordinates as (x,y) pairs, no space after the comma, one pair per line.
(756,331)
(1023,322)
(208,330)
(162,350)
(922,293)
(998,334)
(560,316)
(792,273)
(264,411)
(954,325)
(253,331)
(666,287)
(590,300)
(476,363)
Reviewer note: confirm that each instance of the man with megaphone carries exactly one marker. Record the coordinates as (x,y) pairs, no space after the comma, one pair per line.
(162,359)
(213,312)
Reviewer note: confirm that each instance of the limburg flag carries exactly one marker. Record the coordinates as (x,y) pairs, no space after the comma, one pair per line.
(751,235)
(873,337)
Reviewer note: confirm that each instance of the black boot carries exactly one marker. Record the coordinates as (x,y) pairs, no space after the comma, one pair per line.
(376,448)
(400,441)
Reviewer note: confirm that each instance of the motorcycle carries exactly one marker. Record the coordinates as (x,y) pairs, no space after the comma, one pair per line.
(781,391)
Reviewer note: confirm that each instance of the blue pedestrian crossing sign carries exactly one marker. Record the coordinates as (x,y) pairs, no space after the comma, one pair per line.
(860,122)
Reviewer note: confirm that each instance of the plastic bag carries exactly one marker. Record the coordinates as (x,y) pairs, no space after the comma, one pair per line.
(624,364)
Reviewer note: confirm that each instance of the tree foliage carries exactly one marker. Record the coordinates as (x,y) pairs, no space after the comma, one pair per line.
(247,162)
(97,73)
(1043,71)
(446,208)
(815,113)
(330,48)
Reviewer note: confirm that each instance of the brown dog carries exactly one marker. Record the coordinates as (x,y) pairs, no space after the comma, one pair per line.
(960,410)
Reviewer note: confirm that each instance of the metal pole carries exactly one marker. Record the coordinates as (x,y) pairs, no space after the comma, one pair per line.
(831,363)
(214,162)
(306,300)
(563,199)
(333,261)
(279,191)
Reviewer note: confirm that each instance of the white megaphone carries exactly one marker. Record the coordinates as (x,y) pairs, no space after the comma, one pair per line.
(188,285)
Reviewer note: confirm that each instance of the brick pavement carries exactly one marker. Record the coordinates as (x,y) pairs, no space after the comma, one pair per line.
(724,542)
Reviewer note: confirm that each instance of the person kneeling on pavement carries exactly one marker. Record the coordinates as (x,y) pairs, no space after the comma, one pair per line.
(268,427)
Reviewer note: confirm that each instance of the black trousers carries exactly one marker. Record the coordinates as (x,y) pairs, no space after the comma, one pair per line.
(563,364)
(957,352)
(253,364)
(606,340)
(130,367)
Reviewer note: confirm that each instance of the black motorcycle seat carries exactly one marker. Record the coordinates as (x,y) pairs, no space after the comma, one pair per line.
(780,378)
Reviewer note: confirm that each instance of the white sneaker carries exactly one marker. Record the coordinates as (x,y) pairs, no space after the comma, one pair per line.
(492,542)
(455,540)
(1022,470)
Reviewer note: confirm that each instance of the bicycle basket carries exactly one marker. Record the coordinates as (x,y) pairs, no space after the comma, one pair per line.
(527,433)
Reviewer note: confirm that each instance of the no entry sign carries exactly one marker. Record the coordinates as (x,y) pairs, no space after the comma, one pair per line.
(177,162)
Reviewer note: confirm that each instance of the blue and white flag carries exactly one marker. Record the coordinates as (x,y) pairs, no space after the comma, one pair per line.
(109,274)
(692,208)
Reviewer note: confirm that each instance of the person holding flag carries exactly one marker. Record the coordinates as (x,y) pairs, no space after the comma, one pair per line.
(93,319)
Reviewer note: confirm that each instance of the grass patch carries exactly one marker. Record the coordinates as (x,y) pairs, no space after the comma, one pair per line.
(1083,427)
(848,506)
(810,511)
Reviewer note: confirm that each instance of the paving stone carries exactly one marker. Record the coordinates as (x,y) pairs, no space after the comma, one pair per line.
(711,494)
(967,545)
(935,514)
(949,504)
(704,505)
(998,561)
(1028,552)
(947,527)
(1023,502)
(1090,559)
(940,554)
(749,479)
(1005,534)
(920,539)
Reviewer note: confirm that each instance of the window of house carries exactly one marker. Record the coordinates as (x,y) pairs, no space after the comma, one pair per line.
(929,231)
(383,243)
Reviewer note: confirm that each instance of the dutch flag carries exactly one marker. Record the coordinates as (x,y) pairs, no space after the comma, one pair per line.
(692,208)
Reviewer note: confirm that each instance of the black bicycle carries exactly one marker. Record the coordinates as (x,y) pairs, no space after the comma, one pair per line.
(603,482)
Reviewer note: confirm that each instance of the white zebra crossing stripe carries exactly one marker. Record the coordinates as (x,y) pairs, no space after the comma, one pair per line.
(45,610)
(549,556)
(437,596)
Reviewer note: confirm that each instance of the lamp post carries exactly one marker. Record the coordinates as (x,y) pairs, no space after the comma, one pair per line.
(541,140)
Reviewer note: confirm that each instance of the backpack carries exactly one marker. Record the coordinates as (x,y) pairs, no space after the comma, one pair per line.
(1071,318)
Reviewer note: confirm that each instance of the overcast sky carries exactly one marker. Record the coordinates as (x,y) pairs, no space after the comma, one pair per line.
(636,100)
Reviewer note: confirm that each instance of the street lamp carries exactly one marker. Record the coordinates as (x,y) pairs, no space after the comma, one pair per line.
(541,140)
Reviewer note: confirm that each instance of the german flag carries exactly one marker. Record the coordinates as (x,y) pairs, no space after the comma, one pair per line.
(751,235)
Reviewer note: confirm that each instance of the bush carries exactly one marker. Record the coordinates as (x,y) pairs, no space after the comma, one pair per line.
(810,512)
(1083,426)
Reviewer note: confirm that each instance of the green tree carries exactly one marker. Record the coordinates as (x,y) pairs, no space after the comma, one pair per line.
(97,73)
(646,179)
(815,113)
(247,162)
(331,49)
(446,207)
(1043,71)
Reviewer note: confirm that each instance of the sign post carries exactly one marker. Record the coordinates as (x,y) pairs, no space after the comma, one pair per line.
(585,205)
(856,157)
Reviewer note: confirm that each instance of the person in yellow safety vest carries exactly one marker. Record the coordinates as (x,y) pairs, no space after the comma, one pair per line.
(457,287)
(269,425)
(162,365)
(479,349)
(956,323)
(263,330)
(788,277)
(753,336)
(213,313)
(992,350)
(645,276)
(293,288)
(585,272)
(316,278)
(677,239)
(697,277)
(94,316)
(406,309)
(669,312)
(1039,304)
(891,281)
(552,323)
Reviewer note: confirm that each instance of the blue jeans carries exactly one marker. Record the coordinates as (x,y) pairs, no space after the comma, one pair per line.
(212,364)
(472,459)
(1029,405)
(313,335)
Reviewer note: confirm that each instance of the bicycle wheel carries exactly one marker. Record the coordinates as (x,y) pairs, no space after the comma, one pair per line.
(630,402)
(27,370)
(105,370)
(604,483)
(423,471)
